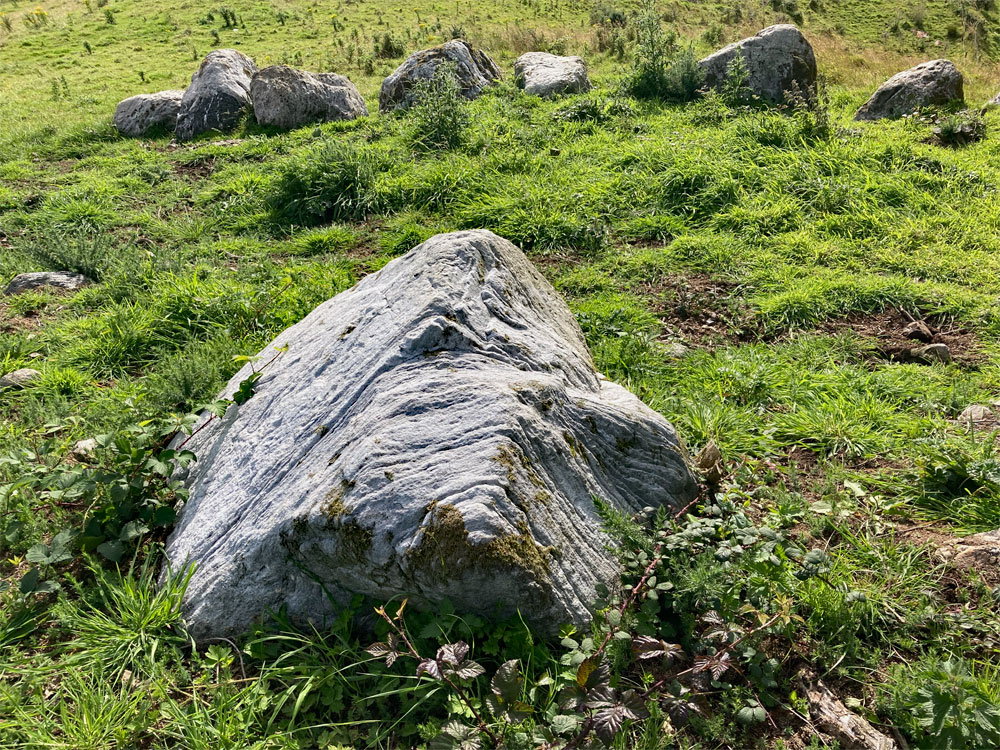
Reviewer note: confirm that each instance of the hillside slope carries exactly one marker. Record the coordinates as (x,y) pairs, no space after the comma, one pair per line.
(49,53)
(753,274)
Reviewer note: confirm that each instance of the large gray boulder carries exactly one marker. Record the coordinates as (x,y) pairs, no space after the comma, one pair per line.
(145,113)
(27,282)
(474,69)
(931,83)
(437,431)
(219,94)
(545,75)
(287,98)
(777,59)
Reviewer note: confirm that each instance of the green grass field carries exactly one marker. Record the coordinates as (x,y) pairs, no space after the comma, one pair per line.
(747,272)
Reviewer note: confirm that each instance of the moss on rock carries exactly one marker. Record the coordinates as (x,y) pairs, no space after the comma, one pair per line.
(445,548)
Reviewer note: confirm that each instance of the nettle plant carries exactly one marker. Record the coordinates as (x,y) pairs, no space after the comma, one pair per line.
(119,495)
(704,610)
(125,491)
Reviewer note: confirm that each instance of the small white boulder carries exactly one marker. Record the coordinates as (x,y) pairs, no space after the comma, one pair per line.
(27,282)
(545,75)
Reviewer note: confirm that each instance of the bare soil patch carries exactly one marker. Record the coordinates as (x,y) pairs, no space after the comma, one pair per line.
(28,321)
(886,330)
(198,170)
(699,311)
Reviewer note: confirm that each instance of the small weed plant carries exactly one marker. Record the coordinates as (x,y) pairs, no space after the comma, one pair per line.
(439,115)
(36,18)
(661,69)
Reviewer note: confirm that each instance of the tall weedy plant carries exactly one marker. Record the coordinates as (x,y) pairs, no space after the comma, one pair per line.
(661,69)
(440,114)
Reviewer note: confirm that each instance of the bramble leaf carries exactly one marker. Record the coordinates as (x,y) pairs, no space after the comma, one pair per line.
(564,723)
(469,670)
(508,684)
(429,667)
(453,653)
(608,722)
(592,672)
(751,715)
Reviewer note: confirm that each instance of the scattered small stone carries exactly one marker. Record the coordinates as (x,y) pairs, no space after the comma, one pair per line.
(711,464)
(919,331)
(975,552)
(26,282)
(976,414)
(931,353)
(19,378)
(834,718)
(676,350)
(84,450)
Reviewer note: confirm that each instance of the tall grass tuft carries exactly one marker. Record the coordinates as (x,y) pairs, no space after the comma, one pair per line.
(127,622)
(440,116)
(332,182)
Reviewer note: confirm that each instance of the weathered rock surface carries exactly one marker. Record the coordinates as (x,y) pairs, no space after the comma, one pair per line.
(931,353)
(473,68)
(26,282)
(19,378)
(977,415)
(287,98)
(144,113)
(218,96)
(777,59)
(919,331)
(437,431)
(542,74)
(852,731)
(930,83)
(979,552)
(84,450)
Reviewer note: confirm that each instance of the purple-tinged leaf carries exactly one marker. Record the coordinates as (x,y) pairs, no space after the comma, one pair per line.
(507,683)
(468,670)
(635,704)
(453,653)
(608,722)
(429,667)
(647,647)
(601,696)
(721,666)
